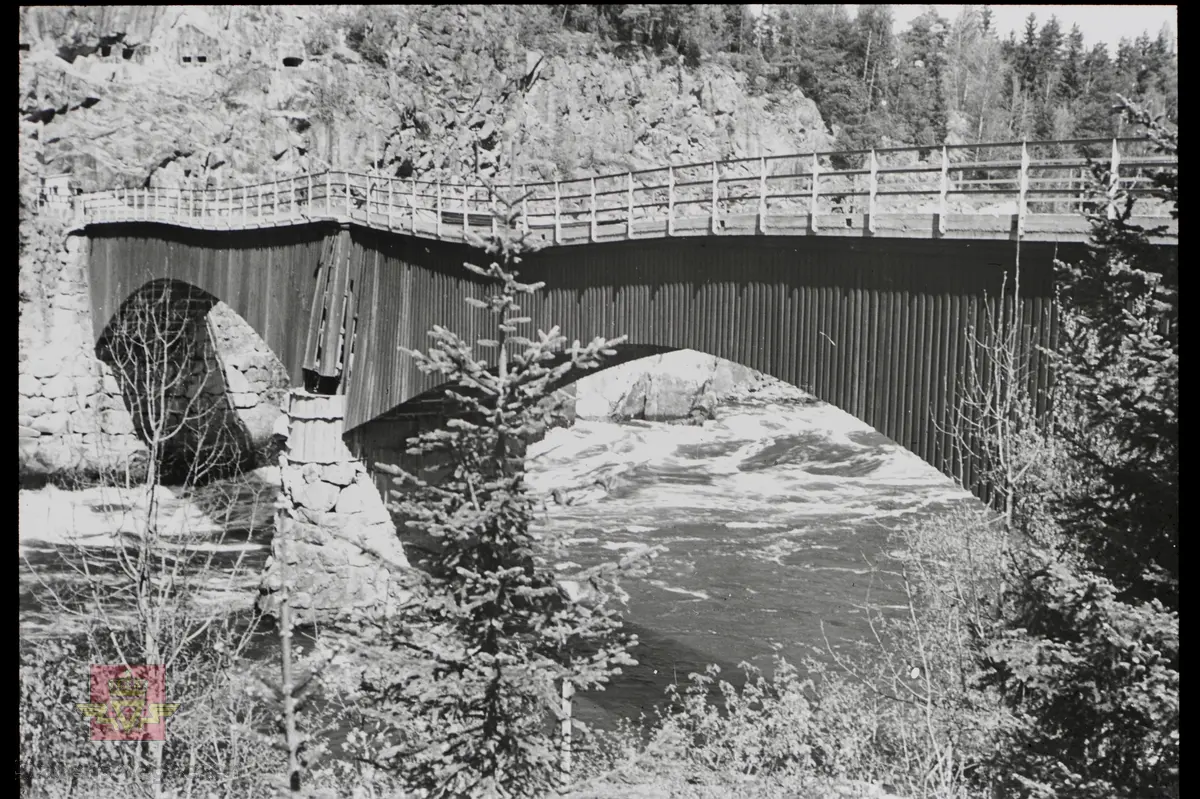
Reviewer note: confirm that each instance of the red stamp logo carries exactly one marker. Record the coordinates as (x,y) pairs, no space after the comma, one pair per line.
(127,703)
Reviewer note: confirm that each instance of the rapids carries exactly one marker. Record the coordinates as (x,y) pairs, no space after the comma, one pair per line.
(772,518)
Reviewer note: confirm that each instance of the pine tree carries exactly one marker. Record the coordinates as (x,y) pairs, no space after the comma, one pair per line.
(490,634)
(1071,85)
(1027,54)
(1120,359)
(1095,118)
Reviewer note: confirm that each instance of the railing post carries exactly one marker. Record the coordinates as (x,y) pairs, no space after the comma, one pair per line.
(525,207)
(813,196)
(1023,187)
(245,218)
(762,196)
(1114,181)
(670,200)
(712,218)
(465,212)
(592,230)
(413,210)
(438,228)
(179,201)
(557,213)
(391,194)
(328,193)
(872,189)
(259,192)
(204,200)
(346,178)
(308,197)
(629,216)
(943,190)
(492,205)
(568,691)
(292,181)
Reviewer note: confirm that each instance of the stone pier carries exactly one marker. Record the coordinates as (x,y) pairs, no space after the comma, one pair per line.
(340,541)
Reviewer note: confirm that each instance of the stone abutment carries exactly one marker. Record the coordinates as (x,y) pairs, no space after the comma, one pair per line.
(334,532)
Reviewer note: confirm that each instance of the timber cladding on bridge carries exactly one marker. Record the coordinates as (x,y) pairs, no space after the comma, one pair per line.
(879,328)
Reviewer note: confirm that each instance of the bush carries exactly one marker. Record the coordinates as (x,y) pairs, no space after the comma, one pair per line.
(212,741)
(370,31)
(1095,683)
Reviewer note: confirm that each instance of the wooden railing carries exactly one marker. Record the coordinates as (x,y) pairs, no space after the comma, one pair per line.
(759,195)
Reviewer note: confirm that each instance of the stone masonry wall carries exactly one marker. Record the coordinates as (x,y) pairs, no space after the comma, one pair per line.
(256,381)
(334,531)
(71,415)
(72,419)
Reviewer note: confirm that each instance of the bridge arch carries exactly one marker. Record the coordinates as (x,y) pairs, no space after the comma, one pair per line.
(201,389)
(879,328)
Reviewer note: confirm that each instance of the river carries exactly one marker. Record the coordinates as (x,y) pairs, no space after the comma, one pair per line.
(771,518)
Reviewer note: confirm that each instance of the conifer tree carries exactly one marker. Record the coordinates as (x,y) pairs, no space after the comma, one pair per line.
(492,636)
(1089,657)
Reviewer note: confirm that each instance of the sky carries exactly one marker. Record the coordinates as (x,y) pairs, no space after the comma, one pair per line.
(1099,23)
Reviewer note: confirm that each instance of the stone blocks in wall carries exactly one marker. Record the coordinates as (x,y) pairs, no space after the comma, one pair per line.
(335,534)
(255,381)
(72,419)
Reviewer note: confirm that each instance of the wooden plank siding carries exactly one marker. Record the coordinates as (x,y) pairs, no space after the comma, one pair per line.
(268,276)
(879,327)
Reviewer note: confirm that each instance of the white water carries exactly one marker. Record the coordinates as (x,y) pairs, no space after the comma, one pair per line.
(774,518)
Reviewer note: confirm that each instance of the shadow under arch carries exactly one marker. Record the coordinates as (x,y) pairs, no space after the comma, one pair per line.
(158,347)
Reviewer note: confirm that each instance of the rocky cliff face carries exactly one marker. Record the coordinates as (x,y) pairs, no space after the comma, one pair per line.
(167,96)
(163,95)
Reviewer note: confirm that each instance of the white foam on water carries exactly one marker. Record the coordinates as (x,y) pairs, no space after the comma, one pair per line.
(696,595)
(212,546)
(749,525)
(637,528)
(847,569)
(617,546)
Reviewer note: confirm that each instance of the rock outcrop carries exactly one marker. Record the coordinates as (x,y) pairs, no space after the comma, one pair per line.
(684,384)
(202,95)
